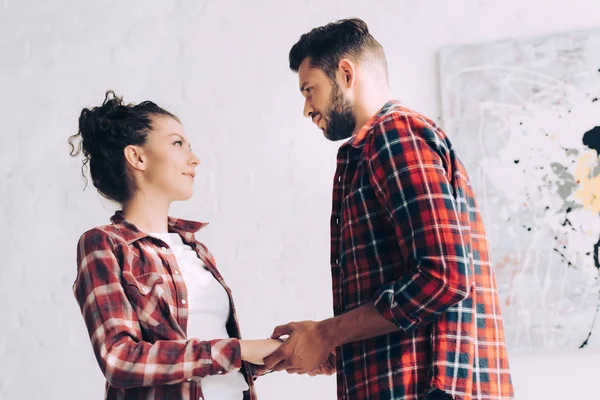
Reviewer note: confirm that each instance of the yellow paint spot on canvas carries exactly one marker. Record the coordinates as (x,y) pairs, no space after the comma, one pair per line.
(588,192)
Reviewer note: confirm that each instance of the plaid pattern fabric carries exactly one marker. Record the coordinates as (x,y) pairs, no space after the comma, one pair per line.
(407,236)
(133,300)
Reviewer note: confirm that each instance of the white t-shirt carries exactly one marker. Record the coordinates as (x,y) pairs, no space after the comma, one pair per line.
(208,306)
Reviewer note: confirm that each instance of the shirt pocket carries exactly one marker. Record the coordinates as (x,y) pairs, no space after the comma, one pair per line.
(147,296)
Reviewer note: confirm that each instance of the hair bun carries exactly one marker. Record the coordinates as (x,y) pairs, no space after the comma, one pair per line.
(95,124)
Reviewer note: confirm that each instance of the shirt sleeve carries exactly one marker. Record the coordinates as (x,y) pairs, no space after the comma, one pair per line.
(259,370)
(407,170)
(124,357)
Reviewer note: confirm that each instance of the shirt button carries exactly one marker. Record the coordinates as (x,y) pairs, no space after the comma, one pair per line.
(176,272)
(183,301)
(189,379)
(337,221)
(339,178)
(219,372)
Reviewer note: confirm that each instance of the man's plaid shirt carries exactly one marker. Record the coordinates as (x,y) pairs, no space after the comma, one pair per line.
(406,235)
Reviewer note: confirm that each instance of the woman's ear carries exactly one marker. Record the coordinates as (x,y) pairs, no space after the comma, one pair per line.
(135,157)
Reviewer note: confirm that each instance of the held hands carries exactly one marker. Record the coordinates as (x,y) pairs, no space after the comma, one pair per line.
(255,351)
(306,350)
(327,368)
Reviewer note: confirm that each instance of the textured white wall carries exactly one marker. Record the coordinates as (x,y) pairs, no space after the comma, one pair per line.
(264,182)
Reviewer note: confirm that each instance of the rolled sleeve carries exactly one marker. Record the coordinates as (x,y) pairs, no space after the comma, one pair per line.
(410,180)
(124,357)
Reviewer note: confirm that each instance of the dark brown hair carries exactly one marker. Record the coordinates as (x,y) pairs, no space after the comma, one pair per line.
(104,132)
(326,45)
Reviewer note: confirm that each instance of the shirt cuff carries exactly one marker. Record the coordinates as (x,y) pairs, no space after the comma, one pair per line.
(226,356)
(385,302)
(258,370)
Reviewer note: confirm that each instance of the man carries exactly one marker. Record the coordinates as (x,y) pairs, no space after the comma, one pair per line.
(415,299)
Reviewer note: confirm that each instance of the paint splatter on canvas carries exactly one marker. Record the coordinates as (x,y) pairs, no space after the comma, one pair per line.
(524,114)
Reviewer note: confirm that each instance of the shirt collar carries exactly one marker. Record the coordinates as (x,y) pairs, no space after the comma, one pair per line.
(358,140)
(131,233)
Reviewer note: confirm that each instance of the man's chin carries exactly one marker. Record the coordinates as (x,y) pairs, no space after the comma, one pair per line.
(335,138)
(326,136)
(332,139)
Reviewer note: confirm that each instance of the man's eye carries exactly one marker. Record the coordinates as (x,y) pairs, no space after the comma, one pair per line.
(308,90)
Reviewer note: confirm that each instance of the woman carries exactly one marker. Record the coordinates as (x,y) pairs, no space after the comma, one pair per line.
(160,318)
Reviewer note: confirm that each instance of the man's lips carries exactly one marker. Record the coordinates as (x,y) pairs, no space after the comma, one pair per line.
(317,119)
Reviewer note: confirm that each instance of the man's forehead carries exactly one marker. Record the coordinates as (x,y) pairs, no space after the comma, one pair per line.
(308,73)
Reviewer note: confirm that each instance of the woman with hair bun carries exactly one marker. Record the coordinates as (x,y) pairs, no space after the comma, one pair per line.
(160,318)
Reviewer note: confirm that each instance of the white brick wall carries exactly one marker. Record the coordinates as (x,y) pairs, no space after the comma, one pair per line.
(264,181)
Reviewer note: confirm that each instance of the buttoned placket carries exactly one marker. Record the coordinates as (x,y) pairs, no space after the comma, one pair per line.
(336,216)
(210,266)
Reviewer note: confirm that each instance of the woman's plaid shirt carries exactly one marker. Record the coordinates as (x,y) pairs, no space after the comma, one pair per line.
(134,302)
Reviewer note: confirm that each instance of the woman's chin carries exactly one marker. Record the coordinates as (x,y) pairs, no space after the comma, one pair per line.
(184,195)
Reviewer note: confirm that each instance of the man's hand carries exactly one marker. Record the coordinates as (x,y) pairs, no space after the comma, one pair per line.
(254,351)
(310,343)
(327,368)
(306,349)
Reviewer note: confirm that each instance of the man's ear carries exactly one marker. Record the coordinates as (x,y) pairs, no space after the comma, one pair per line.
(347,72)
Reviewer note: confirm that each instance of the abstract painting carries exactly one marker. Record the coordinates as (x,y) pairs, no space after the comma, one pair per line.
(524,115)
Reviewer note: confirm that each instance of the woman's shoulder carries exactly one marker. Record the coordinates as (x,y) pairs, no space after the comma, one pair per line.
(101,236)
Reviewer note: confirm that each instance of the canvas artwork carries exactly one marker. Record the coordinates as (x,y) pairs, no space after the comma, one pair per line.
(524,115)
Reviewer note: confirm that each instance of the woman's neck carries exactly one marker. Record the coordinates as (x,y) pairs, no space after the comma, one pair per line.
(149,213)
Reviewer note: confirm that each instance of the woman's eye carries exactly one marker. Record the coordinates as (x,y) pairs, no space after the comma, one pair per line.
(178,143)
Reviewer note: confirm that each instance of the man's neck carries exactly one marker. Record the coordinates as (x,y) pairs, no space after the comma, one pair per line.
(368,107)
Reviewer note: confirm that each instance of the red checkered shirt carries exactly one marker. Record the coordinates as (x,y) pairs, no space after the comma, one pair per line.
(133,300)
(407,236)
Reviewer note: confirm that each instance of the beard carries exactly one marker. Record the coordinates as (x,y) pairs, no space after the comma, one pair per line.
(341,121)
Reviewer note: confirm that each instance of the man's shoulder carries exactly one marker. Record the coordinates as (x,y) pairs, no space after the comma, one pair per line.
(397,115)
(403,126)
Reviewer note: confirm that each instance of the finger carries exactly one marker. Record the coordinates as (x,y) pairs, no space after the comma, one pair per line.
(294,371)
(328,370)
(330,364)
(275,358)
(282,330)
(284,364)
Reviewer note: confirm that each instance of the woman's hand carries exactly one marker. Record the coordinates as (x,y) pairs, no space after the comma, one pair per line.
(255,351)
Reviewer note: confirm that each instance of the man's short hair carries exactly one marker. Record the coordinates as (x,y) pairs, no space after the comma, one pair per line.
(326,45)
